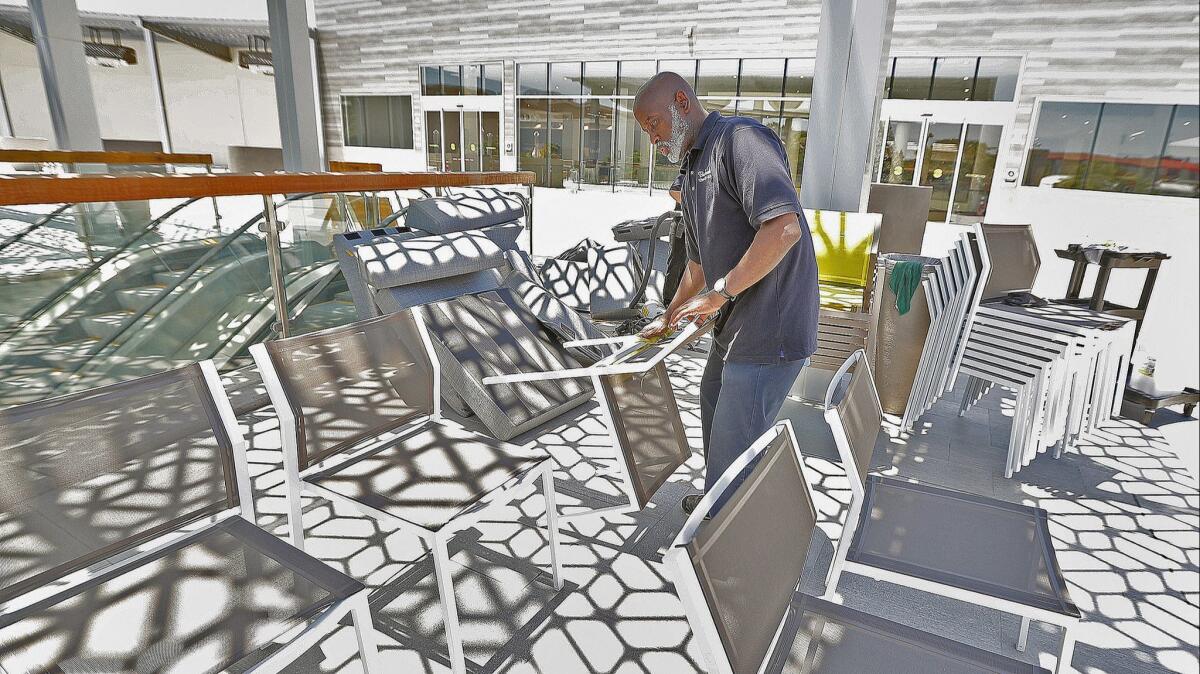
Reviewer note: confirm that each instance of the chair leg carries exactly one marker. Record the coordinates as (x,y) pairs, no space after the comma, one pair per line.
(1023,639)
(552,532)
(1068,650)
(843,548)
(445,581)
(368,648)
(295,515)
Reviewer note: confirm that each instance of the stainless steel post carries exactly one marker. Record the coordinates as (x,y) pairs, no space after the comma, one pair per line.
(529,220)
(275,262)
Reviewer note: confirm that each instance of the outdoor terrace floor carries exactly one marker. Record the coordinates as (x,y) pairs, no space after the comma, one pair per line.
(1123,516)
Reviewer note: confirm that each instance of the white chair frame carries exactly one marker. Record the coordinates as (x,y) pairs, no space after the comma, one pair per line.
(683,574)
(858,493)
(438,541)
(322,625)
(612,364)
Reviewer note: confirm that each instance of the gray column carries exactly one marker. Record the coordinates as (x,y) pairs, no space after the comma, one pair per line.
(852,56)
(6,126)
(295,86)
(59,41)
(160,98)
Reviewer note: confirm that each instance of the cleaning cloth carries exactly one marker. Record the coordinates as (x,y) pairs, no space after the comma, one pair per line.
(906,276)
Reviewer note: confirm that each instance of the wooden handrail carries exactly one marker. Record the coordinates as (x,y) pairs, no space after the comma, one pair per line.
(354,166)
(89,188)
(87,157)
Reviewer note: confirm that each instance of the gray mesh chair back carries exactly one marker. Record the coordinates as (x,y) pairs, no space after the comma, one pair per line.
(354,382)
(89,475)
(649,432)
(1017,261)
(857,418)
(746,562)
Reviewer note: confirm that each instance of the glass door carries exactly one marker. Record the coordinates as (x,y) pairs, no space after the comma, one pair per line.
(462,140)
(956,157)
(490,140)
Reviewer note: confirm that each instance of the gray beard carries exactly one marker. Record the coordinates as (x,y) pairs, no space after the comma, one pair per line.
(679,131)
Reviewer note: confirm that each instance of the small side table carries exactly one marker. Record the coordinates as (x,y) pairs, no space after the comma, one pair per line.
(1188,397)
(1108,260)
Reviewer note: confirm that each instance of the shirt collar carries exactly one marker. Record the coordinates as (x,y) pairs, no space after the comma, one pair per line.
(706,130)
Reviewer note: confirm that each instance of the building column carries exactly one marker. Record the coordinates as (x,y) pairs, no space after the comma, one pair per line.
(852,55)
(295,86)
(59,40)
(6,126)
(160,98)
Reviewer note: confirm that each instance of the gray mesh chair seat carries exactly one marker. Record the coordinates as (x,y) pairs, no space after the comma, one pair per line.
(738,567)
(829,638)
(429,476)
(198,606)
(958,539)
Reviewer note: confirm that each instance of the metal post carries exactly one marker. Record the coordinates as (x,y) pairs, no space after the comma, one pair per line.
(59,43)
(529,220)
(295,85)
(160,99)
(6,126)
(275,262)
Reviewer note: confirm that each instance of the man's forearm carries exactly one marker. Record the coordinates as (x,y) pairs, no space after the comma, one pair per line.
(691,283)
(774,239)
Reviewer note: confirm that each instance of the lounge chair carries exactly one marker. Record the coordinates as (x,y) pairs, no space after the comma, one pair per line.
(738,576)
(130,541)
(360,416)
(973,548)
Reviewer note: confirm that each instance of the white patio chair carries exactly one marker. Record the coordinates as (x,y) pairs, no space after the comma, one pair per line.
(360,415)
(129,540)
(972,548)
(738,576)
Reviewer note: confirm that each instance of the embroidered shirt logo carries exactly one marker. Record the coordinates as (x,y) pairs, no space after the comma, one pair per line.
(702,176)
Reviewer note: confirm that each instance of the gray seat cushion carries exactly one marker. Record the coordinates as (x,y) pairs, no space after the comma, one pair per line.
(430,474)
(388,261)
(461,212)
(492,333)
(976,543)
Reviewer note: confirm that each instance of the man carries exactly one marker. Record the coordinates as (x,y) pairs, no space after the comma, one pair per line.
(750,263)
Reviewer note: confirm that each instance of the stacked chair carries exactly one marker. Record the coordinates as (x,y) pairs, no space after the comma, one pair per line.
(962,546)
(360,415)
(1066,364)
(130,541)
(738,575)
(951,291)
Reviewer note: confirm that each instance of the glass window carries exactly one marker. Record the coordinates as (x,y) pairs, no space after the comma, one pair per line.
(937,166)
(631,160)
(717,77)
(799,77)
(761,77)
(491,140)
(766,112)
(633,75)
(354,130)
(1179,169)
(452,147)
(533,135)
(452,80)
(431,80)
(685,68)
(493,79)
(900,149)
(565,121)
(1128,144)
(471,145)
(600,78)
(997,79)
(953,79)
(566,79)
(377,121)
(472,82)
(793,131)
(911,78)
(1061,144)
(597,168)
(531,79)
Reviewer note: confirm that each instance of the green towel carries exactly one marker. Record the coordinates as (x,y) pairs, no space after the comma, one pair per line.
(906,276)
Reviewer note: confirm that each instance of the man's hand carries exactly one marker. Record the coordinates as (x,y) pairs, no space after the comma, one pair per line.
(698,308)
(656,328)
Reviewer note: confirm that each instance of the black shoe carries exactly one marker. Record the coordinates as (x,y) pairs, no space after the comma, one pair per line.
(690,502)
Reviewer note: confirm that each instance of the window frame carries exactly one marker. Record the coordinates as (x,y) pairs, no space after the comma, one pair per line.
(1170,99)
(956,53)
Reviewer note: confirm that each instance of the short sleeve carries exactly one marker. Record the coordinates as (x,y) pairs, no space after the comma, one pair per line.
(757,169)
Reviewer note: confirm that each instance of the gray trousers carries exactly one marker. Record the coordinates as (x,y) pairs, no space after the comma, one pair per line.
(738,403)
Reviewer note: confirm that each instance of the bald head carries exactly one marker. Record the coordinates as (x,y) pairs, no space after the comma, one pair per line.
(668,111)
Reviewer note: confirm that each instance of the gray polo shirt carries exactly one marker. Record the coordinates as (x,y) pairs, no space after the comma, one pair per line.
(735,177)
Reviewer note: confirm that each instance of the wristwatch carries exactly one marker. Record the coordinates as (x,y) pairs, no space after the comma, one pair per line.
(719,288)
